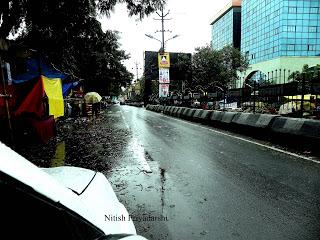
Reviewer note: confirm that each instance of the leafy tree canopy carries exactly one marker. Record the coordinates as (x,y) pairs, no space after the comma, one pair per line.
(67,33)
(217,67)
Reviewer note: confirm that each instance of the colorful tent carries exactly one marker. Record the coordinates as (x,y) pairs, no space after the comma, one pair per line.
(53,90)
(67,87)
(35,68)
(32,101)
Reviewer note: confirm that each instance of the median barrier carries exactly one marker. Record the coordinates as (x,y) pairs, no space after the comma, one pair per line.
(221,118)
(174,113)
(205,115)
(166,109)
(180,111)
(254,120)
(216,116)
(154,108)
(185,112)
(197,114)
(169,110)
(172,110)
(298,132)
(161,108)
(227,117)
(190,113)
(307,128)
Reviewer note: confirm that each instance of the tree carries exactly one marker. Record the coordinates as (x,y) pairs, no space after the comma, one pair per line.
(180,70)
(206,66)
(14,12)
(217,67)
(67,33)
(306,77)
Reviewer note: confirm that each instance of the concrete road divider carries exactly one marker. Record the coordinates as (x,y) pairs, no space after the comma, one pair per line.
(227,117)
(190,113)
(306,128)
(171,110)
(254,120)
(161,108)
(205,115)
(180,111)
(185,112)
(166,109)
(196,114)
(216,116)
(222,117)
(175,112)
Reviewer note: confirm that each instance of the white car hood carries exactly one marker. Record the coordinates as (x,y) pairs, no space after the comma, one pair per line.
(97,193)
(74,178)
(93,204)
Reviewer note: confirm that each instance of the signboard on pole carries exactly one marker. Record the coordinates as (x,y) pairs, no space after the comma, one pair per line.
(163,90)
(164,75)
(164,60)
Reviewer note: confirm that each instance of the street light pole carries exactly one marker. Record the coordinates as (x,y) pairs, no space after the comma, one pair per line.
(162,25)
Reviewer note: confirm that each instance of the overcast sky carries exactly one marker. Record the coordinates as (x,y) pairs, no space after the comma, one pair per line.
(190,20)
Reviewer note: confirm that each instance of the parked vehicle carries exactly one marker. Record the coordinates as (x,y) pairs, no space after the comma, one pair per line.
(58,203)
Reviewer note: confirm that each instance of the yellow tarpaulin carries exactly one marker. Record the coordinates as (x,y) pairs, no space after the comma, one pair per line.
(53,89)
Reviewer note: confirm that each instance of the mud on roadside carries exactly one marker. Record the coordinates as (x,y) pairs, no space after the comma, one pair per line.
(81,142)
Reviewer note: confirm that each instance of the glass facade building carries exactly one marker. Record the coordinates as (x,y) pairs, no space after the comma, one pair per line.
(282,28)
(226,26)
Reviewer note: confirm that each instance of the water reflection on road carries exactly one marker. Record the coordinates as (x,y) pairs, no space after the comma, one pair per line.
(59,156)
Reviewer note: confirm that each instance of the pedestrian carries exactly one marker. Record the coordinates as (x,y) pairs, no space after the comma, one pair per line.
(96,109)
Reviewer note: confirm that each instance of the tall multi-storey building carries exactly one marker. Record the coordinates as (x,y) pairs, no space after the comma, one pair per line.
(279,37)
(226,26)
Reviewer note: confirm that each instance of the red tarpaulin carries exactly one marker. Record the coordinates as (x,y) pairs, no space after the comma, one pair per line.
(44,129)
(26,98)
(33,101)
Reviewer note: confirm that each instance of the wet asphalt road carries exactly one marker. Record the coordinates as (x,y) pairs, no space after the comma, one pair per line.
(184,181)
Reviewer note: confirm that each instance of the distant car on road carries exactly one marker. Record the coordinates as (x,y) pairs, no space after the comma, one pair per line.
(58,203)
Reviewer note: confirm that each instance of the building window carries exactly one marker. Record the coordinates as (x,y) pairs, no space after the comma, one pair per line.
(275,31)
(292,9)
(311,47)
(314,10)
(253,56)
(290,47)
(275,49)
(268,17)
(291,28)
(313,29)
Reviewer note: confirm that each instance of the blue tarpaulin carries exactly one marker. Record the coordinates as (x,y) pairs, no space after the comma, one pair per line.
(66,88)
(35,68)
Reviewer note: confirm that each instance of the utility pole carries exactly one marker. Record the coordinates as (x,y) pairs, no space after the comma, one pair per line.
(137,70)
(162,19)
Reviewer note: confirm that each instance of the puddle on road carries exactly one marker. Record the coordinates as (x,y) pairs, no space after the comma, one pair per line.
(139,154)
(59,156)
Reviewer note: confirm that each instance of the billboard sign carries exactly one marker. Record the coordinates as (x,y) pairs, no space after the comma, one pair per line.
(164,75)
(163,60)
(163,90)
